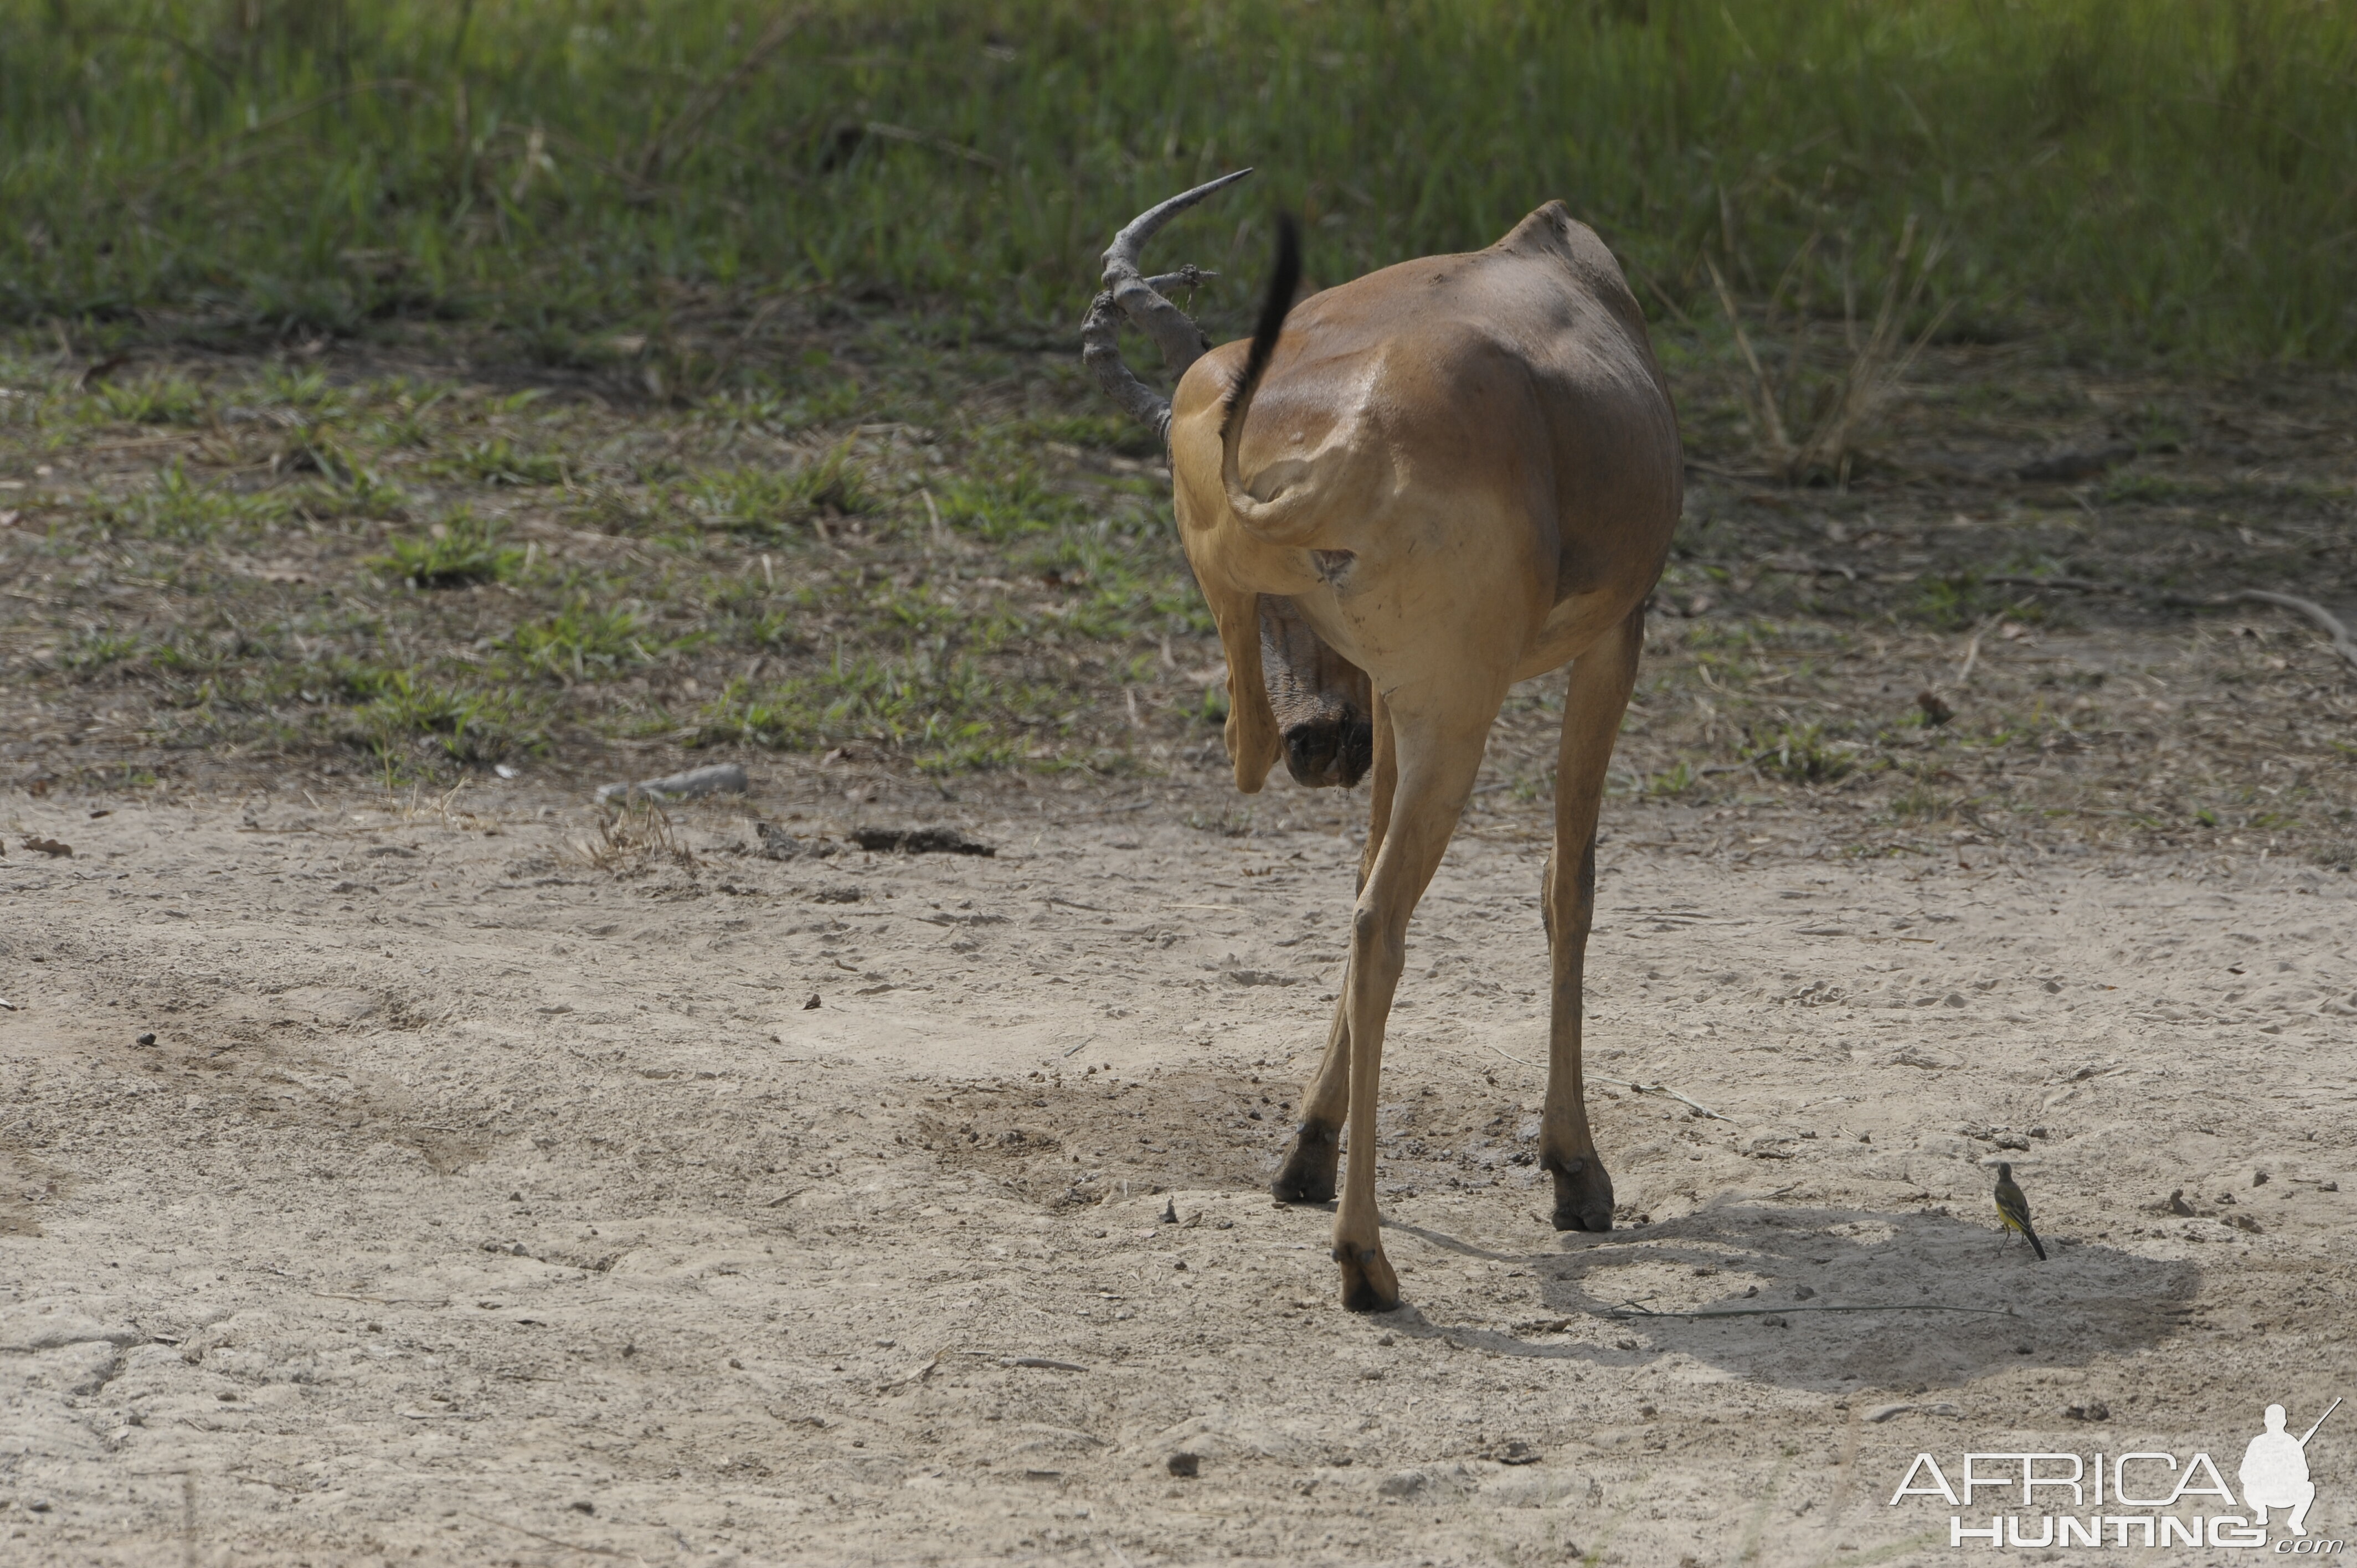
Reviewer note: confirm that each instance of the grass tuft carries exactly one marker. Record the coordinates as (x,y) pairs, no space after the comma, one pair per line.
(469,726)
(766,501)
(462,549)
(177,506)
(581,642)
(497,460)
(1800,754)
(155,400)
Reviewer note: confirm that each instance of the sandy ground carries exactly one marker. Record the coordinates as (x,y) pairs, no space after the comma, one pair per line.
(485,1199)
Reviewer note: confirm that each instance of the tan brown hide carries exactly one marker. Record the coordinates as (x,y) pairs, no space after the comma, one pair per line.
(1401,497)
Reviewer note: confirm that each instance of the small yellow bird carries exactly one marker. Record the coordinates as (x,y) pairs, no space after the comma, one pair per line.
(2014,1209)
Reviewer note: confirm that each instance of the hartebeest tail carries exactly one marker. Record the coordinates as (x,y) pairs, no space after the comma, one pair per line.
(1285,280)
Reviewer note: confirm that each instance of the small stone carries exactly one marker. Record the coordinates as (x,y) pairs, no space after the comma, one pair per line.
(1185,1465)
(811,1004)
(146,1038)
(1802,1293)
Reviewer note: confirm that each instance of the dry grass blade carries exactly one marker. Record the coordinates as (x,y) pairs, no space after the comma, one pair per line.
(1761,396)
(1872,370)
(1877,367)
(686,127)
(630,839)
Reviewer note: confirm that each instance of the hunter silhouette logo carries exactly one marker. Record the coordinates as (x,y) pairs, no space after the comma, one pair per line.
(2275,1471)
(2135,1496)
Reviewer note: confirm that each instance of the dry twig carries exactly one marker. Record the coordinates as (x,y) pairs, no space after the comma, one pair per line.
(1875,367)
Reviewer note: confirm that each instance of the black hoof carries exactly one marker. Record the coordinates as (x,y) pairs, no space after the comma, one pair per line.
(1583,1194)
(1368,1282)
(1310,1166)
(1333,749)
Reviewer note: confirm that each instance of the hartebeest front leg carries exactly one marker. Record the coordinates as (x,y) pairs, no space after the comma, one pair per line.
(1308,1175)
(1601,680)
(1254,744)
(1439,743)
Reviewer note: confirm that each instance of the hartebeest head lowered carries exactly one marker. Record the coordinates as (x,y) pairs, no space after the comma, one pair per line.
(1145,301)
(1319,704)
(1399,498)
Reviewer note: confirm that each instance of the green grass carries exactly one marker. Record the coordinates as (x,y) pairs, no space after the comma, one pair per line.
(178,507)
(158,400)
(460,550)
(497,460)
(580,641)
(2134,177)
(471,724)
(946,715)
(1800,754)
(766,501)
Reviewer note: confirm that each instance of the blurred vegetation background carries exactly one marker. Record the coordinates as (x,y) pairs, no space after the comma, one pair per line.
(2133,177)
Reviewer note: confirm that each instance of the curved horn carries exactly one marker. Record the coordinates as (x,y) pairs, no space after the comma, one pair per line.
(1142,299)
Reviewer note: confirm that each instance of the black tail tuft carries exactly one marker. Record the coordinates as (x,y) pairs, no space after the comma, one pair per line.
(1283,280)
(2035,1244)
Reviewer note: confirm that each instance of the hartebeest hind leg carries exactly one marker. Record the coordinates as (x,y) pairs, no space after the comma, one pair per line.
(1597,695)
(1439,740)
(1308,1175)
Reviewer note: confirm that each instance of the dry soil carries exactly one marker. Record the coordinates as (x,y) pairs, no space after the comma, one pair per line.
(459,1182)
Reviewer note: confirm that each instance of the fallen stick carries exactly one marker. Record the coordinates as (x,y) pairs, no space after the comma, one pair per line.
(1972,649)
(926,841)
(1004,1360)
(2342,643)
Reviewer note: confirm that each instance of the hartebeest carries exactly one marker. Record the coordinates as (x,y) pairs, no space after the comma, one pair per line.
(1408,493)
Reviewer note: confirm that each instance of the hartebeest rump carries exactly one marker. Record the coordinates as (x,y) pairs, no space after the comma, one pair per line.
(1409,492)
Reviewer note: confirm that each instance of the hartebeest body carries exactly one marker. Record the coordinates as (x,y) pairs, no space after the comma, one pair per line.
(1408,493)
